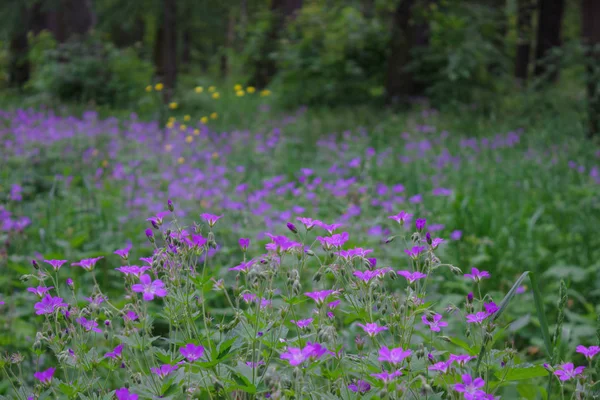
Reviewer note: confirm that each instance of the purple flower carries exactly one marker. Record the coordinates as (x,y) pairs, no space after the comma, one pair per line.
(394,356)
(471,388)
(45,376)
(387,376)
(568,371)
(334,304)
(415,251)
(40,290)
(244,243)
(434,324)
(436,242)
(460,359)
(359,386)
(308,223)
(411,276)
(372,329)
(130,316)
(255,364)
(243,267)
(297,356)
(521,289)
(88,325)
(124,253)
(441,366)
(477,275)
(88,263)
(490,308)
(333,241)
(330,228)
(56,264)
(420,224)
(456,235)
(249,297)
(292,227)
(116,353)
(150,288)
(164,370)
(192,352)
(149,234)
(370,274)
(211,219)
(95,301)
(157,220)
(303,323)
(320,297)
(124,394)
(477,318)
(401,217)
(588,352)
(48,305)
(133,270)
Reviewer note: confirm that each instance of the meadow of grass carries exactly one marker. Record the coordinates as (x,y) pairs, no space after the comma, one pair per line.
(508,191)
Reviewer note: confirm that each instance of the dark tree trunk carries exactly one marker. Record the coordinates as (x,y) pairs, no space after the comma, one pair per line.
(63,18)
(265,68)
(186,44)
(79,16)
(550,16)
(407,35)
(165,48)
(127,36)
(19,68)
(524,13)
(229,39)
(590,31)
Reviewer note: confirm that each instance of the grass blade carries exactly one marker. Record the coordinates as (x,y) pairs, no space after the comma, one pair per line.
(541,314)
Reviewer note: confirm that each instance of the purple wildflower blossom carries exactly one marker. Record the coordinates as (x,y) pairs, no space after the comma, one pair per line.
(56,264)
(130,316)
(125,394)
(436,242)
(45,377)
(157,220)
(359,386)
(568,371)
(477,275)
(48,305)
(96,300)
(297,356)
(330,228)
(334,304)
(368,275)
(303,323)
(477,318)
(411,276)
(211,219)
(372,329)
(588,352)
(150,288)
(40,290)
(308,223)
(441,366)
(394,356)
(88,263)
(434,324)
(134,270)
(456,235)
(490,308)
(88,325)
(460,359)
(243,267)
(244,243)
(320,296)
(401,217)
(116,353)
(415,251)
(164,370)
(124,253)
(471,388)
(420,223)
(192,352)
(387,376)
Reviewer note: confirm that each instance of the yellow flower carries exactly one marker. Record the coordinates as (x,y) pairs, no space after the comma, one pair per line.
(216,95)
(214,115)
(189,139)
(171,119)
(182,127)
(250,89)
(237,87)
(240,93)
(104,163)
(149,88)
(204,120)
(196,132)
(265,93)
(212,89)
(180,160)
(158,87)
(215,155)
(170,124)
(187,118)
(168,147)
(199,89)
(173,105)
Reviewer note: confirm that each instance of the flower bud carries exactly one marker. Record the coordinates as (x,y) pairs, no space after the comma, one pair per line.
(170,205)
(428,238)
(310,253)
(390,239)
(35,264)
(292,227)
(470,298)
(360,343)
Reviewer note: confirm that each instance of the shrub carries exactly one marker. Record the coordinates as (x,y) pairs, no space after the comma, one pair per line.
(185,328)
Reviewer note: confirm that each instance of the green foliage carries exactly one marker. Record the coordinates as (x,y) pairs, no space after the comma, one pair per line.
(88,70)
(332,55)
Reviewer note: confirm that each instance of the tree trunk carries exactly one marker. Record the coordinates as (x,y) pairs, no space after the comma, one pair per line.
(229,39)
(79,16)
(19,67)
(165,48)
(590,32)
(265,68)
(63,18)
(524,13)
(550,15)
(407,34)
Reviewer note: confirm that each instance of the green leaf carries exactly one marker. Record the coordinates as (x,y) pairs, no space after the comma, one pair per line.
(541,314)
(518,374)
(462,344)
(528,391)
